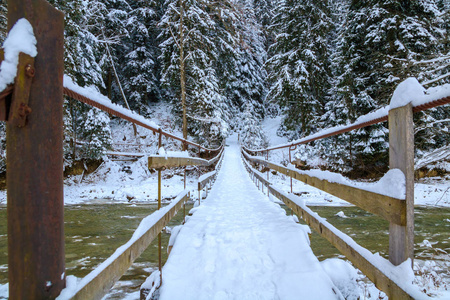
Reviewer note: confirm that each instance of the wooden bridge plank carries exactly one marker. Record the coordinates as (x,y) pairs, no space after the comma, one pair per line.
(103,281)
(391,209)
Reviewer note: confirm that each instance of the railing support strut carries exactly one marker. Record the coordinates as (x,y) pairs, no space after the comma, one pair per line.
(401,156)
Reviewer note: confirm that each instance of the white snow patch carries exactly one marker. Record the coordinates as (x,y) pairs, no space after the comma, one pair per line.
(343,276)
(410,90)
(341,214)
(20,39)
(152,283)
(173,235)
(4,290)
(70,289)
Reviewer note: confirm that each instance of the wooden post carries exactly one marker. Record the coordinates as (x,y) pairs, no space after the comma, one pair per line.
(35,164)
(401,156)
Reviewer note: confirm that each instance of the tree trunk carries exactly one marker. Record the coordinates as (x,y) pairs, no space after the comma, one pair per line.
(183,75)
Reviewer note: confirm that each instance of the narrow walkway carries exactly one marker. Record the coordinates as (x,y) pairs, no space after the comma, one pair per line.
(240,245)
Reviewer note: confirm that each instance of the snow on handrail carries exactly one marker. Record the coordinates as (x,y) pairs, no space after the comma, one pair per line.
(94,98)
(432,97)
(103,277)
(395,281)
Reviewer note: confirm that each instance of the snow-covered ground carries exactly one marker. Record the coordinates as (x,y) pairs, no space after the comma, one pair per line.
(427,192)
(240,245)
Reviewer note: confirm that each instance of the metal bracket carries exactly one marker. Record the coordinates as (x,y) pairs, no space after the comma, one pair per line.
(14,108)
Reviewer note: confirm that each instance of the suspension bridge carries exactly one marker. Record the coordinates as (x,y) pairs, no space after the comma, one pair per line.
(238,243)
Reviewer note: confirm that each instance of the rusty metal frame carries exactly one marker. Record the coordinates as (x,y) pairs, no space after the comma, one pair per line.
(35,205)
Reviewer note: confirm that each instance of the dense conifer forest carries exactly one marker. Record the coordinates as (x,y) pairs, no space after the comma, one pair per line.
(316,63)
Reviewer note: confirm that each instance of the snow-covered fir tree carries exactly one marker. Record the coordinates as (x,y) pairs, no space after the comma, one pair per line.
(140,52)
(381,39)
(246,81)
(96,135)
(251,134)
(299,65)
(196,38)
(3,20)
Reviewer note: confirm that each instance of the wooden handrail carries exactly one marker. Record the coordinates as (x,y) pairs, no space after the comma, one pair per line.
(158,161)
(362,258)
(391,209)
(100,280)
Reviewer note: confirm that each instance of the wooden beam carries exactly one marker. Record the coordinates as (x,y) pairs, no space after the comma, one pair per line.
(158,162)
(389,208)
(206,180)
(381,281)
(401,156)
(103,281)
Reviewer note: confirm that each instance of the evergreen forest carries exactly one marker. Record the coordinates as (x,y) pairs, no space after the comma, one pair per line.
(317,64)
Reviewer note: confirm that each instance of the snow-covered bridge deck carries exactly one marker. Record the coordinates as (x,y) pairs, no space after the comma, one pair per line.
(240,245)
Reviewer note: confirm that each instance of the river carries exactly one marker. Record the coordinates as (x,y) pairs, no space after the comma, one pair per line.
(94,231)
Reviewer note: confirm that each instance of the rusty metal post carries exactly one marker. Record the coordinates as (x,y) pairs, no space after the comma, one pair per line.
(159,207)
(290,161)
(35,164)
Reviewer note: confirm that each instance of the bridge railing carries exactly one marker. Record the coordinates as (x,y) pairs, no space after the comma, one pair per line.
(389,282)
(32,106)
(397,209)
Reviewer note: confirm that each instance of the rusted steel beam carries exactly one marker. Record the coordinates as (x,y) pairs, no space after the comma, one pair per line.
(19,108)
(35,164)
(73,94)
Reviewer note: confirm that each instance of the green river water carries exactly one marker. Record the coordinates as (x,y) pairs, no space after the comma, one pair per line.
(94,231)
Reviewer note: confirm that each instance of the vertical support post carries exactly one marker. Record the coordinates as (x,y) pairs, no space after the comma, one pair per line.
(199,193)
(159,207)
(401,156)
(290,161)
(35,206)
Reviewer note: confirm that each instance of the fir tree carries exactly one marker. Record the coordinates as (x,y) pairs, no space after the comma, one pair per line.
(200,51)
(3,20)
(245,82)
(251,134)
(96,134)
(140,73)
(298,67)
(382,39)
